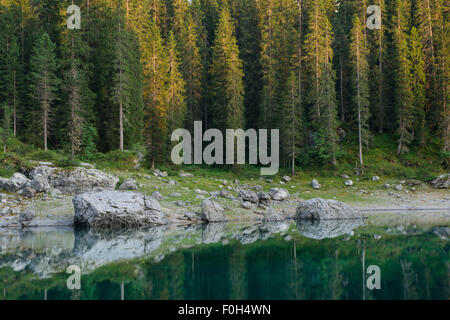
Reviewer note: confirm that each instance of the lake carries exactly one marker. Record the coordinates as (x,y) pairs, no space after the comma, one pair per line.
(288,260)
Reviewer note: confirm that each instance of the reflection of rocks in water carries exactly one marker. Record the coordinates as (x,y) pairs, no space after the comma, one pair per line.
(98,247)
(48,251)
(213,232)
(323,229)
(260,232)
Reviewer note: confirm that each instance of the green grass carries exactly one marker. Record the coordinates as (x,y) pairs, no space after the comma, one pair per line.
(381,160)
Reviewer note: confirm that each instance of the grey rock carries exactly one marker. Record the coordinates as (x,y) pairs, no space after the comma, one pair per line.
(348,183)
(320,209)
(6,211)
(212,211)
(247,205)
(111,208)
(224,193)
(160,174)
(272,215)
(279,194)
(315,184)
(27,216)
(15,183)
(40,183)
(28,192)
(199,191)
(76,181)
(287,179)
(175,195)
(191,216)
(398,187)
(185,175)
(441,182)
(214,193)
(375,178)
(248,196)
(129,184)
(172,183)
(180,203)
(263,196)
(157,195)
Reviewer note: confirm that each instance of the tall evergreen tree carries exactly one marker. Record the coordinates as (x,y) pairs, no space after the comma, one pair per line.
(155,70)
(176,107)
(360,77)
(227,88)
(418,83)
(44,81)
(322,94)
(292,117)
(403,88)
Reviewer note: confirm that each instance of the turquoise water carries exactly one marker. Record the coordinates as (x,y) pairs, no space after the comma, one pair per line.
(232,261)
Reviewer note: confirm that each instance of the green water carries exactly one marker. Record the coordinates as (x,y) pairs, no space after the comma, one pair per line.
(242,261)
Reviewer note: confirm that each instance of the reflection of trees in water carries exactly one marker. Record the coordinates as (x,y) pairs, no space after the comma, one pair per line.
(301,268)
(409,280)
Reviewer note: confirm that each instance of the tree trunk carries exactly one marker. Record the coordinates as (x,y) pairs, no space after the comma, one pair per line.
(121,125)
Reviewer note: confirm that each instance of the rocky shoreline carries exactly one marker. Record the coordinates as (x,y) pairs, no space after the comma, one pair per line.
(101,201)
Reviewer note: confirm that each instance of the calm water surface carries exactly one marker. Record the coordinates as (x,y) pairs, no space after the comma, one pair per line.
(289,260)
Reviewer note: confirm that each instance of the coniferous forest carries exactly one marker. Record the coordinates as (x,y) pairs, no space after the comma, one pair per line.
(139,69)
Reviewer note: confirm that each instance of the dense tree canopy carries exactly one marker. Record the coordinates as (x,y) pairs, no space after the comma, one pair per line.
(138,69)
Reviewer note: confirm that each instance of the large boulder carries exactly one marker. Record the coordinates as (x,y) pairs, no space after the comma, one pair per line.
(129,184)
(15,183)
(111,208)
(441,182)
(40,183)
(279,194)
(212,212)
(76,181)
(248,196)
(320,209)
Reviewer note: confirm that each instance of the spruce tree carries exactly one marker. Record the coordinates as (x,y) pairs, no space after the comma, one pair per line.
(360,80)
(403,96)
(227,90)
(418,83)
(292,117)
(176,106)
(322,93)
(44,81)
(155,71)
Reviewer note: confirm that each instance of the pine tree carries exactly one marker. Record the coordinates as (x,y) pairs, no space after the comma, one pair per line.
(121,90)
(187,39)
(176,107)
(318,52)
(377,45)
(328,142)
(155,70)
(322,93)
(292,131)
(10,67)
(360,77)
(227,88)
(418,83)
(6,125)
(44,81)
(403,88)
